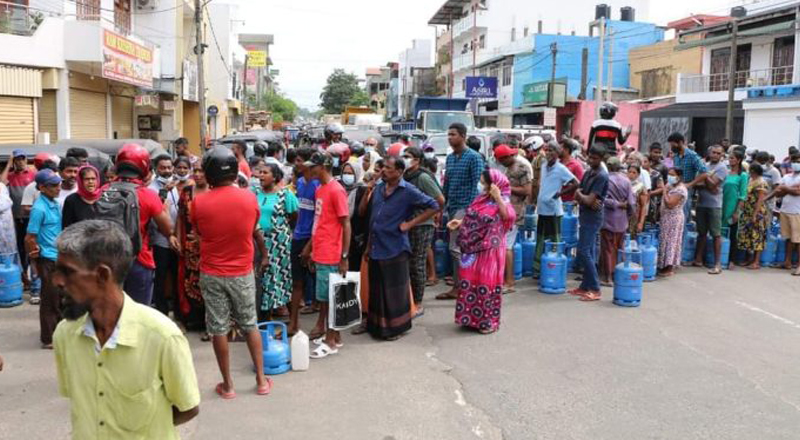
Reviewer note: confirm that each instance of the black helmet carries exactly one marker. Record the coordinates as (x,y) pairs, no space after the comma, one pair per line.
(219,165)
(357,148)
(608,110)
(260,149)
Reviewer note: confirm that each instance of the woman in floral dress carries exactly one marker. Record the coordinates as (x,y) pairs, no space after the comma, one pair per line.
(753,220)
(672,219)
(190,299)
(8,238)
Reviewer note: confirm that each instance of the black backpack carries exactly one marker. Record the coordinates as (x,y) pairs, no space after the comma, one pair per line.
(120,203)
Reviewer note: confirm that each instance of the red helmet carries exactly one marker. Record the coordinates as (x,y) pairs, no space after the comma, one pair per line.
(340,149)
(396,149)
(39,160)
(134,161)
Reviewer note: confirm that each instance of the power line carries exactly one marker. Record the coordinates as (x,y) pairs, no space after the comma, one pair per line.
(216,43)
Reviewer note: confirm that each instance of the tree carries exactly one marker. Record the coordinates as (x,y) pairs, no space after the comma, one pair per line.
(282,108)
(342,90)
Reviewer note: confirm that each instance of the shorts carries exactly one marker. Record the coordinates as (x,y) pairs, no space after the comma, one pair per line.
(790,227)
(511,237)
(226,298)
(709,220)
(299,270)
(324,272)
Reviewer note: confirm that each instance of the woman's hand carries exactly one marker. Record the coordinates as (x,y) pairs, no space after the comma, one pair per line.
(405,227)
(454,224)
(494,193)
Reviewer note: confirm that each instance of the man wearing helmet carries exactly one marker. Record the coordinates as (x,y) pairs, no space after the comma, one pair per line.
(133,166)
(333,135)
(535,155)
(226,221)
(608,132)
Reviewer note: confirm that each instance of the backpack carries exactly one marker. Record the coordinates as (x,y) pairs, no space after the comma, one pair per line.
(119,203)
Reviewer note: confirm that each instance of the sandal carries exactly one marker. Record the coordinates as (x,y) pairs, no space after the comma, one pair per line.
(447,295)
(590,296)
(508,290)
(715,271)
(431,283)
(606,284)
(308,310)
(754,267)
(449,281)
(205,338)
(796,273)
(487,331)
(316,335)
(420,312)
(323,351)
(577,292)
(361,329)
(321,340)
(227,395)
(264,390)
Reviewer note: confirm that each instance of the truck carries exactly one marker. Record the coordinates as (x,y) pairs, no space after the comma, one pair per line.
(435,114)
(350,112)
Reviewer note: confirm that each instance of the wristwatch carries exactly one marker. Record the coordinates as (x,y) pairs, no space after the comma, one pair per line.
(344,255)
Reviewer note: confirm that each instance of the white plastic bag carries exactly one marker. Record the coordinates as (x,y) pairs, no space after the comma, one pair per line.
(344,301)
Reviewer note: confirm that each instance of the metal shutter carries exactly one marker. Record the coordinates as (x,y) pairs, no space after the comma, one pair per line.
(48,121)
(122,117)
(16,120)
(87,113)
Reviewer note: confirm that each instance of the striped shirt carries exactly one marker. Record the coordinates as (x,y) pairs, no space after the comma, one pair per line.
(462,175)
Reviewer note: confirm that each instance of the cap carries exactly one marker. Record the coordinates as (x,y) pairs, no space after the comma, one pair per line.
(47,177)
(504,150)
(19,153)
(319,159)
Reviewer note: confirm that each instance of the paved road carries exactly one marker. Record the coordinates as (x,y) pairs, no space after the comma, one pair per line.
(703,358)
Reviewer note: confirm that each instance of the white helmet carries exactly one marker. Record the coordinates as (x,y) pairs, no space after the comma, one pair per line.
(534,142)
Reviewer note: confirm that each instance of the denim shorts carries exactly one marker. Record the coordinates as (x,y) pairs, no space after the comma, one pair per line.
(229,298)
(324,272)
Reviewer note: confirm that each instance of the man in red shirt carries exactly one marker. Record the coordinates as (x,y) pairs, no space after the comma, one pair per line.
(568,146)
(226,220)
(329,245)
(18,176)
(240,150)
(133,165)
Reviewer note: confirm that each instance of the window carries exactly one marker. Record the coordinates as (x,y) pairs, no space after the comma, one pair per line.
(783,61)
(494,71)
(122,16)
(507,68)
(465,49)
(464,84)
(482,42)
(720,63)
(88,10)
(513,34)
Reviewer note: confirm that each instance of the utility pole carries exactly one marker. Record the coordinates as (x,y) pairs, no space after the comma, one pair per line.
(598,89)
(244,93)
(452,60)
(584,72)
(199,48)
(731,83)
(610,63)
(552,88)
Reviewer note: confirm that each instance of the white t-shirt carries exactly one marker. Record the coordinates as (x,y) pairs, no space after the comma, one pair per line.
(63,194)
(791,204)
(30,194)
(644,177)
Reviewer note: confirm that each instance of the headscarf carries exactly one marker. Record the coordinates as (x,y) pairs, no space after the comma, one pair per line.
(84,193)
(483,226)
(356,181)
(502,183)
(373,158)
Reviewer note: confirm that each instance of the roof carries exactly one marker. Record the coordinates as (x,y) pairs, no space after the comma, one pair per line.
(450,10)
(775,29)
(753,19)
(256,39)
(695,110)
(698,20)
(374,71)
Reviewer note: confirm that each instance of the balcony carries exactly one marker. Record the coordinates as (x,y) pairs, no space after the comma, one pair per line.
(468,22)
(714,87)
(16,19)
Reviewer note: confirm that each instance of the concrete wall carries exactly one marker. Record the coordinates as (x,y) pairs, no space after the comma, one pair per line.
(663,56)
(629,114)
(42,49)
(771,125)
(418,55)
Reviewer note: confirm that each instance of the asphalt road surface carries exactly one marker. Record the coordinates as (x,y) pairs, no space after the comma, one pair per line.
(704,357)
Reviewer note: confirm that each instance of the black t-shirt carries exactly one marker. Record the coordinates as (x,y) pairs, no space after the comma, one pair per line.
(75,210)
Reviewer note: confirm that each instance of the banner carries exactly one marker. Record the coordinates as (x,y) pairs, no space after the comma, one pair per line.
(126,61)
(481,87)
(256,58)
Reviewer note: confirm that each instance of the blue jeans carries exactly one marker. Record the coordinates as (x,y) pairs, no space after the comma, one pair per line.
(687,211)
(139,283)
(587,257)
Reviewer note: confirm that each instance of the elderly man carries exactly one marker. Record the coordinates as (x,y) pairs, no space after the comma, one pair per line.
(126,369)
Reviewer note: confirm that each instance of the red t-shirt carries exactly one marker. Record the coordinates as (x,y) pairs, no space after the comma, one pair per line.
(326,237)
(245,168)
(21,178)
(225,219)
(149,206)
(576,169)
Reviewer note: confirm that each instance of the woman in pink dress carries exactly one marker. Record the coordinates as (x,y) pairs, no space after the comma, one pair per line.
(481,236)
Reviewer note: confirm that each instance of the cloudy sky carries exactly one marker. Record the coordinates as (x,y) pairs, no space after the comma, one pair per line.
(312,37)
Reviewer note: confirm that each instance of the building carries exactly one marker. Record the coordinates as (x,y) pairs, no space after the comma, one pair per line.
(766,99)
(393,96)
(257,78)
(224,82)
(444,61)
(377,87)
(654,68)
(418,56)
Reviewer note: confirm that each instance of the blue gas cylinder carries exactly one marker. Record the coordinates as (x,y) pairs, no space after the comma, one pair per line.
(530,218)
(780,244)
(629,245)
(689,246)
(572,257)
(725,253)
(553,278)
(528,253)
(276,352)
(442,257)
(569,224)
(649,257)
(628,281)
(768,254)
(517,260)
(10,281)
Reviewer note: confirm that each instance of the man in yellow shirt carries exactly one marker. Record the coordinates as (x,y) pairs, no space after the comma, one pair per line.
(125,367)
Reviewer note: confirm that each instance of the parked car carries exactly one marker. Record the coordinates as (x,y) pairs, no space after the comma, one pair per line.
(112,146)
(97,158)
(250,138)
(442,148)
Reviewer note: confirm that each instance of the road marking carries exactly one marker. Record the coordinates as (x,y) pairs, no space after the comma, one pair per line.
(786,321)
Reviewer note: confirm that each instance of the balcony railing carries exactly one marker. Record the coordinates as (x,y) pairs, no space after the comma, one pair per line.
(468,22)
(88,10)
(718,82)
(18,19)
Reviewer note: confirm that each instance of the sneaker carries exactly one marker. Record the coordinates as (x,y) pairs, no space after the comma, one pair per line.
(35,300)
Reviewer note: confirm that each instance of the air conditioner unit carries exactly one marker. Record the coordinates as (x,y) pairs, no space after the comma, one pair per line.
(146,5)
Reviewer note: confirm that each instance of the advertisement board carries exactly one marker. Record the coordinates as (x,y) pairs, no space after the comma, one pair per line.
(126,61)
(481,87)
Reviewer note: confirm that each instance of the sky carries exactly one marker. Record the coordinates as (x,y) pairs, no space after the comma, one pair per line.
(313,37)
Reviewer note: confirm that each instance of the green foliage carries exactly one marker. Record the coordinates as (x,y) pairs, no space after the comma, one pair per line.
(342,90)
(282,108)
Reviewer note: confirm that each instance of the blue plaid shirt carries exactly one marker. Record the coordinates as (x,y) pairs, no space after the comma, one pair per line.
(690,163)
(462,175)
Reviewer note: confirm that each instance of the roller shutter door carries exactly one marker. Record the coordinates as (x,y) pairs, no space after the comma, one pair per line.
(87,113)
(122,117)
(16,120)
(48,121)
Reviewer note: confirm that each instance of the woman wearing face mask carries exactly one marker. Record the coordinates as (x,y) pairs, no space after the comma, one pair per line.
(356,189)
(183,169)
(636,220)
(190,299)
(80,206)
(734,193)
(753,220)
(672,219)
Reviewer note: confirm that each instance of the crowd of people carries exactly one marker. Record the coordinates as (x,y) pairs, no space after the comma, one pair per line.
(222,242)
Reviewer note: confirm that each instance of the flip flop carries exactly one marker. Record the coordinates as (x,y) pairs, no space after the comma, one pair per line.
(715,271)
(360,330)
(321,340)
(308,310)
(577,292)
(590,296)
(420,312)
(431,283)
(796,273)
(508,290)
(225,395)
(316,335)
(446,296)
(323,351)
(264,390)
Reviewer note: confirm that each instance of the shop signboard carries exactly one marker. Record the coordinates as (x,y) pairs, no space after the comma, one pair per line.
(481,87)
(126,61)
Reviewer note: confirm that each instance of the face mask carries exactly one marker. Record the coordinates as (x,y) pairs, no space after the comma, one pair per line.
(430,155)
(336,162)
(672,180)
(255,181)
(348,179)
(370,150)
(182,178)
(796,167)
(409,162)
(164,180)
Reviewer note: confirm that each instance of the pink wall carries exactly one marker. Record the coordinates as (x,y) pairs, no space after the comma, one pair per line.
(628,114)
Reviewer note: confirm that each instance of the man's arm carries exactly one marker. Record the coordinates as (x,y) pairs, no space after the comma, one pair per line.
(181,417)
(344,263)
(699,178)
(569,188)
(4,174)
